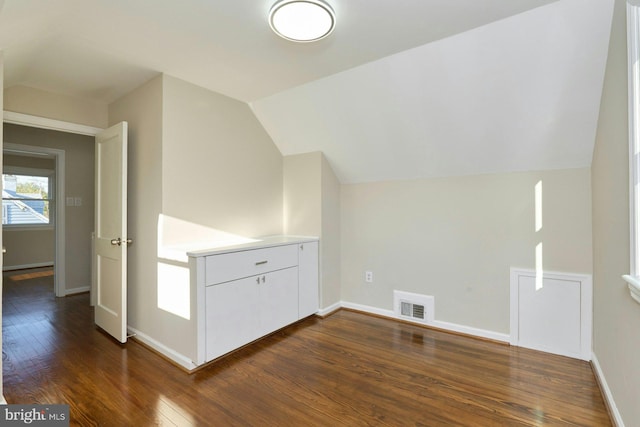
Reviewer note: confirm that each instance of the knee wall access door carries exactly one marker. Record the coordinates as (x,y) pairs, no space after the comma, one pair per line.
(551,312)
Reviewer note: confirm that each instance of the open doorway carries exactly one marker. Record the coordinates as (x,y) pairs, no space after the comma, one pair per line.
(32,179)
(34,152)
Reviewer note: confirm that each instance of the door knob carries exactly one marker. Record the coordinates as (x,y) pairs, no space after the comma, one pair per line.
(119,241)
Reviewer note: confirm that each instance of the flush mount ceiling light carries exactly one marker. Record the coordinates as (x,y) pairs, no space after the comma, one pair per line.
(302,20)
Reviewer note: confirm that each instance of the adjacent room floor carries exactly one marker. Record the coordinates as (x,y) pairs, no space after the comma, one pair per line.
(348,369)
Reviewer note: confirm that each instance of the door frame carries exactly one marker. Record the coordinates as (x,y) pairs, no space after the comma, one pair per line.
(61,126)
(59,262)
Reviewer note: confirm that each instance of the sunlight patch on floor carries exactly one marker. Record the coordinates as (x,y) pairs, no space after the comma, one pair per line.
(27,276)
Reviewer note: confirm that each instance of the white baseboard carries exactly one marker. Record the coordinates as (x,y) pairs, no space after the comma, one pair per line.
(368,309)
(78,290)
(25,266)
(170,354)
(439,324)
(328,310)
(468,330)
(611,404)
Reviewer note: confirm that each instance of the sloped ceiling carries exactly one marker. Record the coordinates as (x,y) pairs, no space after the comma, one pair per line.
(519,94)
(101,49)
(416,88)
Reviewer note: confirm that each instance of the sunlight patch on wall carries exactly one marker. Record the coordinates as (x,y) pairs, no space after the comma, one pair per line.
(176,237)
(539,270)
(174,290)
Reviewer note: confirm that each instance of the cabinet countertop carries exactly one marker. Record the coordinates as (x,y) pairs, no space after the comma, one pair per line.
(255,243)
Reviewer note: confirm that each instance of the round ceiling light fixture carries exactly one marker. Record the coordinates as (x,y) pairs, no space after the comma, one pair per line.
(302,20)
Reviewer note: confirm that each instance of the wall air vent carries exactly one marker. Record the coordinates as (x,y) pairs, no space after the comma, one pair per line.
(414,307)
(412,310)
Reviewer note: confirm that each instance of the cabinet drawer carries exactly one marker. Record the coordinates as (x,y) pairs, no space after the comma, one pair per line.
(236,265)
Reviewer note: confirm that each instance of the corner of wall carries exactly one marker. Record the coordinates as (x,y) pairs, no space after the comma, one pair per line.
(330,251)
(302,197)
(615,341)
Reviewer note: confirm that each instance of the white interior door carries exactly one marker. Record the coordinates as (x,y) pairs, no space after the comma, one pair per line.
(111,231)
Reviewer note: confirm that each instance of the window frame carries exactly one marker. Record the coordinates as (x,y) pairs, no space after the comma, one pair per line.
(27,171)
(633,73)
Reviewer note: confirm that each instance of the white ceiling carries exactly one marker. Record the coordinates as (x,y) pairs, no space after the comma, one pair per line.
(520,94)
(401,89)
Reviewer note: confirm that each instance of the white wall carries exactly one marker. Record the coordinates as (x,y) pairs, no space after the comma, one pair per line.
(456,238)
(28,248)
(36,102)
(142,109)
(330,259)
(616,334)
(312,208)
(220,168)
(302,194)
(200,165)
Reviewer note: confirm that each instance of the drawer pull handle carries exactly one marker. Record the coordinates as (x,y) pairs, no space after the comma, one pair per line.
(261,262)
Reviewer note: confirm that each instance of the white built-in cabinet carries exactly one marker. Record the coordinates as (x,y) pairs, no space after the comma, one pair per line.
(250,291)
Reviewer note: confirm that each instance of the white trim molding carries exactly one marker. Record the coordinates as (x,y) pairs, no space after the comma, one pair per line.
(157,346)
(468,330)
(633,73)
(77,290)
(606,392)
(26,266)
(45,123)
(323,312)
(436,324)
(368,309)
(634,286)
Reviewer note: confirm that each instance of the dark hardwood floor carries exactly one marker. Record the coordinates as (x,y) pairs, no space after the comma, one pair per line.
(347,370)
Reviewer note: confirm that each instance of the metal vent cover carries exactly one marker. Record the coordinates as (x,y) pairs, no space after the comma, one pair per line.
(412,310)
(413,307)
(405,308)
(418,311)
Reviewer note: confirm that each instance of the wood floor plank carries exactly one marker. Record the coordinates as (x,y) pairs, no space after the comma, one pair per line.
(347,370)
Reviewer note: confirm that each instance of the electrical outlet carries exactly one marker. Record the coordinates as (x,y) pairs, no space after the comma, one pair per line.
(368,276)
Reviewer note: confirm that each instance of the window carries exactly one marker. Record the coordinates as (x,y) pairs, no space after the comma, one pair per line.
(633,43)
(27,198)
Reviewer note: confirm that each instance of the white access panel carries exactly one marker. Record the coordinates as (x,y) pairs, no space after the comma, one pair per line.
(551,315)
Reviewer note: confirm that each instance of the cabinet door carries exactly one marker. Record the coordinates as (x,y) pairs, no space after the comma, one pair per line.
(278,299)
(308,279)
(232,318)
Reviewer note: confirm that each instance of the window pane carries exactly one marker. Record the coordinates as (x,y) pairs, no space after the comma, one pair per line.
(25,212)
(21,186)
(24,199)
